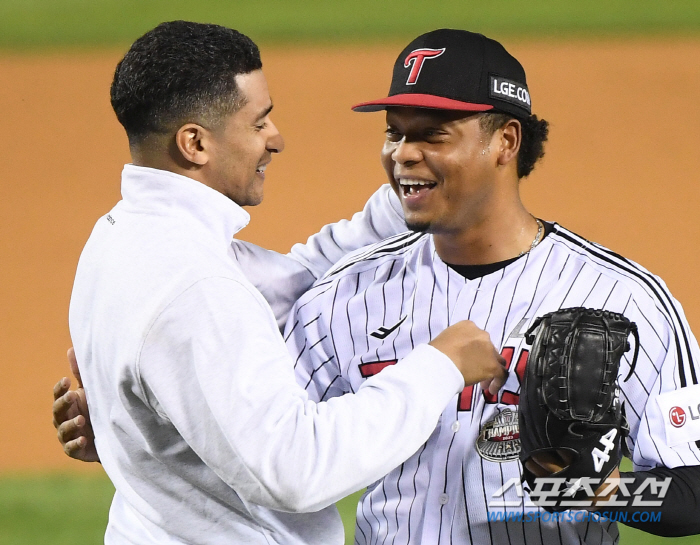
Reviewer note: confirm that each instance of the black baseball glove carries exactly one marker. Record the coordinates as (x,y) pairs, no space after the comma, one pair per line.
(570,405)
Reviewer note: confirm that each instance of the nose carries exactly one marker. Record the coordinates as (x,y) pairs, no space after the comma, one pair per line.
(275,142)
(405,152)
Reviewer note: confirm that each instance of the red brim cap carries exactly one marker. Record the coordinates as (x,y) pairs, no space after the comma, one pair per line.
(416,100)
(448,69)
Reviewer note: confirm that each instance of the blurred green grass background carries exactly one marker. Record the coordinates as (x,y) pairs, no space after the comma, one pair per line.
(72,509)
(30,24)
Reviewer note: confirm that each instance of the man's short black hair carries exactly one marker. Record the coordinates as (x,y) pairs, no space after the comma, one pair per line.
(181,72)
(534,134)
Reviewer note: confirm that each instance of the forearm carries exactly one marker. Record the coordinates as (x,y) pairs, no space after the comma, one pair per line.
(322,452)
(228,387)
(679,510)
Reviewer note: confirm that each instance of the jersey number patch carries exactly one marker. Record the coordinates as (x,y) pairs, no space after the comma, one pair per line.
(602,456)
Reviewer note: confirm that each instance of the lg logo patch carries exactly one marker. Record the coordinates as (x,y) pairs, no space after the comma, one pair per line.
(680,413)
(677,417)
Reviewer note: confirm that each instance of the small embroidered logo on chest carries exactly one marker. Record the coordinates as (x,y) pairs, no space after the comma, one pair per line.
(499,440)
(383,332)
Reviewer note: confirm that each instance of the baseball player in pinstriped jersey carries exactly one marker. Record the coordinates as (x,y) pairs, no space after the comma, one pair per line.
(475,253)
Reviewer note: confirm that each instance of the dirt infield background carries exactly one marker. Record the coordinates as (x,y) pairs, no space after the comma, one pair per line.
(621,169)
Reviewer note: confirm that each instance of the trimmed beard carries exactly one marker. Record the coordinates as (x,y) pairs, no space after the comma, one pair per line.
(418,227)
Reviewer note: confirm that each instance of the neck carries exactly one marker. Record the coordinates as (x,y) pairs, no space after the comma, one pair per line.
(501,234)
(164,155)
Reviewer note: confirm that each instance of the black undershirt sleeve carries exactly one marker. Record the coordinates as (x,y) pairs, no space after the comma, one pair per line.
(680,510)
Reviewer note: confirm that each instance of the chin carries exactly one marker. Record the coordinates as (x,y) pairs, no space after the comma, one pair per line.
(248,200)
(254,198)
(255,201)
(418,226)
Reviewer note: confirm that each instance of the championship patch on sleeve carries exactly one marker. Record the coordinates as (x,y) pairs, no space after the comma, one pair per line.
(510,91)
(680,411)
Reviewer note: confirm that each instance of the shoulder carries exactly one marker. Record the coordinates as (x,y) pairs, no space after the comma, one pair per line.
(648,300)
(663,328)
(366,260)
(206,297)
(646,288)
(369,257)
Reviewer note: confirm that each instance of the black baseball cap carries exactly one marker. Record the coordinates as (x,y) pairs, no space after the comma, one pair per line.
(450,69)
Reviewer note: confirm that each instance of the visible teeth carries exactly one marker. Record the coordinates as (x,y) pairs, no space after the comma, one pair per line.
(407,181)
(262,168)
(412,186)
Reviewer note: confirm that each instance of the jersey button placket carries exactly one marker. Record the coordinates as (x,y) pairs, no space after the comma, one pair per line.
(436,496)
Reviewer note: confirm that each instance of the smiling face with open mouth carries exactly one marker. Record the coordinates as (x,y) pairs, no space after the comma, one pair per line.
(442,165)
(243,146)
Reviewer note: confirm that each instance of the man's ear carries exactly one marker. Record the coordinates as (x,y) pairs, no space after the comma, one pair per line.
(192,142)
(511,138)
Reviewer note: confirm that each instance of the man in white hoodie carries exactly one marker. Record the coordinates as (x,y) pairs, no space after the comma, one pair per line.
(198,419)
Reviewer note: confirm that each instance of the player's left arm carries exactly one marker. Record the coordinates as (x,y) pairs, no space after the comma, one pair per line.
(665,376)
(678,515)
(662,495)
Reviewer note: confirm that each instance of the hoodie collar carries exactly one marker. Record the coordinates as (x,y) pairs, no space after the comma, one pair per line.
(164,192)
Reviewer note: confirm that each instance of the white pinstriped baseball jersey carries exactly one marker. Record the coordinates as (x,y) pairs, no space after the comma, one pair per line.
(374,306)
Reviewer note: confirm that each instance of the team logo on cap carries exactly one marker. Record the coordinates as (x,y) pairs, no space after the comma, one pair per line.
(416,58)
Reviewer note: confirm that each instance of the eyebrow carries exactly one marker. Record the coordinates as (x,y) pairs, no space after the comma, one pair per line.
(265,112)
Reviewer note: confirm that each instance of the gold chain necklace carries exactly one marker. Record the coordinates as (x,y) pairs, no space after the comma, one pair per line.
(536,240)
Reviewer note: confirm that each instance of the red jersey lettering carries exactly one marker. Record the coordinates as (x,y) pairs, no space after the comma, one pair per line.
(373,367)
